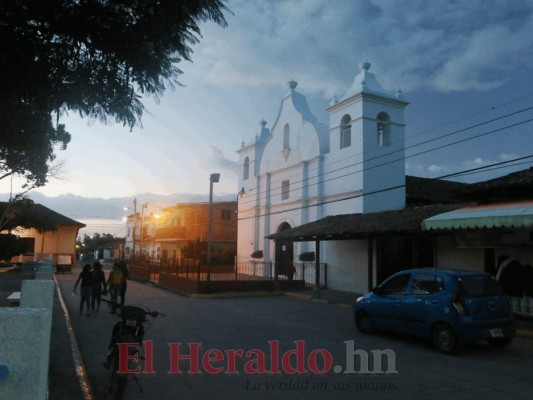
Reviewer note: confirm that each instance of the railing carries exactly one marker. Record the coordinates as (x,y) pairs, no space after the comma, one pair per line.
(306,271)
(522,305)
(241,270)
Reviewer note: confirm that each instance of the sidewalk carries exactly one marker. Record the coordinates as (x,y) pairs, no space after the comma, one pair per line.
(63,383)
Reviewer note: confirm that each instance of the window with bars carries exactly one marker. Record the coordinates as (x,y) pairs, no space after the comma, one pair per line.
(226,214)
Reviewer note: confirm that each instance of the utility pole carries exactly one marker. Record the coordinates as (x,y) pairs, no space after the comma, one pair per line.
(134,223)
(142,228)
(213,178)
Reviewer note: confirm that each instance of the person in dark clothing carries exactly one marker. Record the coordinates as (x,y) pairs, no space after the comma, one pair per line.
(124,268)
(115,280)
(86,278)
(98,285)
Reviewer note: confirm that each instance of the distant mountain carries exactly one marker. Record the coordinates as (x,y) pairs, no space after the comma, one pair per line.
(93,207)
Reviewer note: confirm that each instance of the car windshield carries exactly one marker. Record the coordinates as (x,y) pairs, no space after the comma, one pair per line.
(480,285)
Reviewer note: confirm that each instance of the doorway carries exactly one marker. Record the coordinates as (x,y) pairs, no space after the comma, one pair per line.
(284,252)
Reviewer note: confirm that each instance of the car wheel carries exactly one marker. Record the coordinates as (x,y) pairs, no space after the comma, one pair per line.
(499,343)
(364,323)
(444,338)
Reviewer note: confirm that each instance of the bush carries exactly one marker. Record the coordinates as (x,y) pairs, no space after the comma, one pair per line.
(308,256)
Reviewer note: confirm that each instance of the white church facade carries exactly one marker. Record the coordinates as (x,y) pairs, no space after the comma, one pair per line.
(300,171)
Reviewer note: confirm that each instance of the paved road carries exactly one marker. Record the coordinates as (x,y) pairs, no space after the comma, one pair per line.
(479,372)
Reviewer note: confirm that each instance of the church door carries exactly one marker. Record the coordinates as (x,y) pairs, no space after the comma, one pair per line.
(284,252)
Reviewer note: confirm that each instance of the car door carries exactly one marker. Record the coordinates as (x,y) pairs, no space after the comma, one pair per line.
(386,310)
(422,304)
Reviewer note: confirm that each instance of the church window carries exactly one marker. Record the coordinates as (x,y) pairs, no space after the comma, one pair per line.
(286,136)
(383,129)
(246,167)
(346,131)
(285,190)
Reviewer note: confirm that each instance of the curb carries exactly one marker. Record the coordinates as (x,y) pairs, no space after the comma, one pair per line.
(234,295)
(81,371)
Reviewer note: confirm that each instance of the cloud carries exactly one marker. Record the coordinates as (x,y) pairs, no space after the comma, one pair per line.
(216,159)
(435,171)
(434,168)
(474,45)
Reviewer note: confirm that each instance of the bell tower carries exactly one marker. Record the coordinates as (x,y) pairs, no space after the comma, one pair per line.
(367,136)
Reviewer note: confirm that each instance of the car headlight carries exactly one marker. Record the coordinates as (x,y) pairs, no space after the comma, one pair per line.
(359,299)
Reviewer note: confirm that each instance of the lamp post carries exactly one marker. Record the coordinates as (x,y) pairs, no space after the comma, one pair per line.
(134,223)
(213,178)
(241,194)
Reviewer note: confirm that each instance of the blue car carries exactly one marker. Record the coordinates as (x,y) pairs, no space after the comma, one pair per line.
(449,306)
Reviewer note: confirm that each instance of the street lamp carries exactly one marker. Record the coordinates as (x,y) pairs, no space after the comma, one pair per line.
(213,178)
(241,194)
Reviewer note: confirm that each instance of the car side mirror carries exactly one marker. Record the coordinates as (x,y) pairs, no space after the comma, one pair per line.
(377,290)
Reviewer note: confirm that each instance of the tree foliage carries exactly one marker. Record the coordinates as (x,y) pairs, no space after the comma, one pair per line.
(89,244)
(20,214)
(94,57)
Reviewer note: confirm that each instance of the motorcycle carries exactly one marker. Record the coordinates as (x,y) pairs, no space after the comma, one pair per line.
(135,320)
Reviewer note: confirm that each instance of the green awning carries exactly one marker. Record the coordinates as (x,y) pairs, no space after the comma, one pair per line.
(497,215)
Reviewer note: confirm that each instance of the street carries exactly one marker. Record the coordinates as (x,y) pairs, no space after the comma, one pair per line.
(258,325)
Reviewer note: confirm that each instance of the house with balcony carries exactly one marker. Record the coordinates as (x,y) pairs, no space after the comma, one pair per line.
(181,231)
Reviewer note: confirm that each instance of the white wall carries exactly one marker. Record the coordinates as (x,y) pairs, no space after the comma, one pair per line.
(347,265)
(449,256)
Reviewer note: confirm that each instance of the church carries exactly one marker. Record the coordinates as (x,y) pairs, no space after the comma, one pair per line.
(338,198)
(300,171)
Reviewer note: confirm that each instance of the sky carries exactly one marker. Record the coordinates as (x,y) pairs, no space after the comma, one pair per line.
(458,64)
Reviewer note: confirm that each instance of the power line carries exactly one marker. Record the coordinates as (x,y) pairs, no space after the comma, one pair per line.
(492,169)
(430,140)
(370,193)
(275,191)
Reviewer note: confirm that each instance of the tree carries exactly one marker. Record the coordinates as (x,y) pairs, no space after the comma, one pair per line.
(20,214)
(17,215)
(95,57)
(89,244)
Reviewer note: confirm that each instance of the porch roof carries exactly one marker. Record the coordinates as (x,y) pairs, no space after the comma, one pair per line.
(353,226)
(497,215)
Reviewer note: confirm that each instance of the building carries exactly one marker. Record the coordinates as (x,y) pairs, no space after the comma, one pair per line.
(59,243)
(498,223)
(181,231)
(300,171)
(341,192)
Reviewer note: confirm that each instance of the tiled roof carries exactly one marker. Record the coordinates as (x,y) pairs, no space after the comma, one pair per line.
(55,217)
(352,226)
(427,190)
(521,180)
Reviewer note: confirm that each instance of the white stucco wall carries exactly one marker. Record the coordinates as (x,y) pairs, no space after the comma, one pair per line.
(449,256)
(323,180)
(347,265)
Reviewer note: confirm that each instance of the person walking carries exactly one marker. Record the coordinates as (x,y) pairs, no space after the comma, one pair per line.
(124,268)
(86,278)
(114,284)
(98,286)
